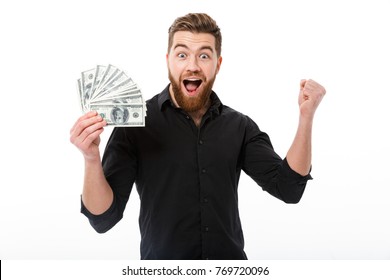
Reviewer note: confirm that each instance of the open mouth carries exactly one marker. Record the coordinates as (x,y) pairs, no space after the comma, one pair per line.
(192,85)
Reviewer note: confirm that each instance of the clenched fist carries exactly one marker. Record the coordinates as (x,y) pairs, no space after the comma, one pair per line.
(310,96)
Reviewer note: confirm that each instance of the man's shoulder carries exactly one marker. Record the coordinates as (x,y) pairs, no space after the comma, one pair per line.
(230,112)
(153,100)
(158,100)
(237,118)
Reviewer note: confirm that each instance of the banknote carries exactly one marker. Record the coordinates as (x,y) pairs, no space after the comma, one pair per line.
(126,99)
(100,69)
(109,72)
(113,94)
(117,85)
(87,78)
(121,114)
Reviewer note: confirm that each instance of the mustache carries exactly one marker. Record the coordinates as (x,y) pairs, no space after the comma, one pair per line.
(193,74)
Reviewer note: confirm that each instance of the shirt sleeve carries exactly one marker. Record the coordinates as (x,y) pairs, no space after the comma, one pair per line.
(120,166)
(105,221)
(268,169)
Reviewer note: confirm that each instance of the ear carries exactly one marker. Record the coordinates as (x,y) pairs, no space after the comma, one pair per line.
(219,62)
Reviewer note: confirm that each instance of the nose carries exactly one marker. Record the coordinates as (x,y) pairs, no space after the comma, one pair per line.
(193,65)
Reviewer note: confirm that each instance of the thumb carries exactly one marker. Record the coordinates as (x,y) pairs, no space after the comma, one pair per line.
(302,84)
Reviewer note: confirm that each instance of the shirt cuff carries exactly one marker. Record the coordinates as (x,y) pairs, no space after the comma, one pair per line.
(289,173)
(102,222)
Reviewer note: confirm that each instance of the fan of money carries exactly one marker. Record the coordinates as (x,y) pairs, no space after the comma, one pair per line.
(113,94)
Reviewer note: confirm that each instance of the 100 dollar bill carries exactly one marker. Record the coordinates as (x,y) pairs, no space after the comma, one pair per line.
(121,114)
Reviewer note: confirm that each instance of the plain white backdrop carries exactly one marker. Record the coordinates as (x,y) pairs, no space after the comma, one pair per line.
(268,46)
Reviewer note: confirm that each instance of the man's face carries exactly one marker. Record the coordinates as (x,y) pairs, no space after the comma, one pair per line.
(119,117)
(192,65)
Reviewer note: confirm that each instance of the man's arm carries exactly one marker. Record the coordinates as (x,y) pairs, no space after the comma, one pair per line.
(97,194)
(299,154)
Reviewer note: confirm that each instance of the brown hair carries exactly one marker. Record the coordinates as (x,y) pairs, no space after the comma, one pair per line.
(196,23)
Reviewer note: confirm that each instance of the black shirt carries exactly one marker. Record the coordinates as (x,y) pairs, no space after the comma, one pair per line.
(187,179)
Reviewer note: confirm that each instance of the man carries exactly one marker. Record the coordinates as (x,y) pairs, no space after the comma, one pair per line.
(186,161)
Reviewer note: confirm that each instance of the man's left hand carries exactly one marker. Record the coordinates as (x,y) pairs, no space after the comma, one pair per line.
(310,96)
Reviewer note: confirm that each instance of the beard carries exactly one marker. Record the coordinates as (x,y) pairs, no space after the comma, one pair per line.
(192,103)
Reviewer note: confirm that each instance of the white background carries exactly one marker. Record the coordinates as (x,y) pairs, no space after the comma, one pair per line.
(268,46)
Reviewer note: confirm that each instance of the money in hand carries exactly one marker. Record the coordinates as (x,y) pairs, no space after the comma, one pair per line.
(113,94)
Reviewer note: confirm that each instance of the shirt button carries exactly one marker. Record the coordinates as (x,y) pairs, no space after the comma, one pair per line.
(203,170)
(200,142)
(205,200)
(206,229)
(187,117)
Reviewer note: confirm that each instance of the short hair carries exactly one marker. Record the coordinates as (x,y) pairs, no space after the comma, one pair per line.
(196,23)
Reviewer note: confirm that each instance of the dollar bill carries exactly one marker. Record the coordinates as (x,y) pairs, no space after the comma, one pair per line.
(100,70)
(110,71)
(80,91)
(87,78)
(126,99)
(121,114)
(113,83)
(109,91)
(120,92)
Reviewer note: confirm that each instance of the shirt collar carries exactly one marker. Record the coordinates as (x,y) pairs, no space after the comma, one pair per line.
(165,99)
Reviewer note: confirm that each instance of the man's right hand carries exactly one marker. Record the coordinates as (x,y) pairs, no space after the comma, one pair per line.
(85,135)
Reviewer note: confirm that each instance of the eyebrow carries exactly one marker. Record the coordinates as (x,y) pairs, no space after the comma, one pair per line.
(201,48)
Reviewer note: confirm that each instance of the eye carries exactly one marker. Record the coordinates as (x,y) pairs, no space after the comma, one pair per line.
(181,55)
(204,56)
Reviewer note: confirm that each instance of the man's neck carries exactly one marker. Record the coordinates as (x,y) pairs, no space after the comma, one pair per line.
(196,115)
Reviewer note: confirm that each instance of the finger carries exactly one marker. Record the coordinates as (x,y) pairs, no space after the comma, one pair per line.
(90,134)
(84,127)
(84,123)
(87,131)
(91,138)
(83,117)
(314,88)
(302,83)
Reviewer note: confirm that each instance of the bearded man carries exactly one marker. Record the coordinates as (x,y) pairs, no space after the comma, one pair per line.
(186,161)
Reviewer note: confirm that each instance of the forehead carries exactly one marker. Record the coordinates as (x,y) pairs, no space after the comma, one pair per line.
(193,40)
